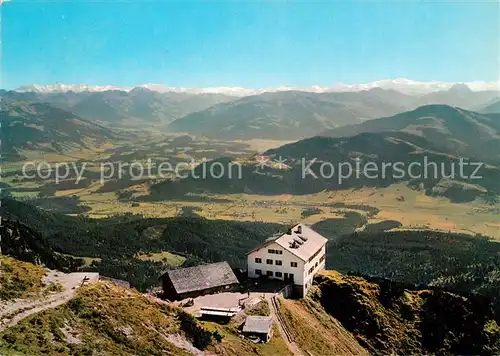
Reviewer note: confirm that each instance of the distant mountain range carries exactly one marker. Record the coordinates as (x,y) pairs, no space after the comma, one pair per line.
(279,115)
(289,115)
(296,114)
(39,126)
(121,107)
(403,85)
(458,95)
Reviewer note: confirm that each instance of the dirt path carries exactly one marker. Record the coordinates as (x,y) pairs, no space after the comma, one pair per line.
(12,312)
(283,329)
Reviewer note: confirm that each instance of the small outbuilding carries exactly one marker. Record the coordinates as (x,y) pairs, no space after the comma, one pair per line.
(260,327)
(192,282)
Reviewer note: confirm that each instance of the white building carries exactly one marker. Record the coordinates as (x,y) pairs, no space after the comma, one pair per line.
(295,256)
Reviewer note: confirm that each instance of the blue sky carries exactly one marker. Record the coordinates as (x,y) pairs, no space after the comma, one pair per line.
(253,44)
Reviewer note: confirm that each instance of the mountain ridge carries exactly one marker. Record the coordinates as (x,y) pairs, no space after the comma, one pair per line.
(119,107)
(491,108)
(456,130)
(40,126)
(289,115)
(402,84)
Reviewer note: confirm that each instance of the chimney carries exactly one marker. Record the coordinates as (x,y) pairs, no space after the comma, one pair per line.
(299,230)
(289,232)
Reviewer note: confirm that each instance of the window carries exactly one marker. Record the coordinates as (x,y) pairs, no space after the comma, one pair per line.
(276,252)
(269,262)
(310,270)
(279,252)
(278,274)
(270,273)
(322,258)
(278,262)
(258,272)
(293,264)
(270,251)
(316,265)
(315,254)
(258,260)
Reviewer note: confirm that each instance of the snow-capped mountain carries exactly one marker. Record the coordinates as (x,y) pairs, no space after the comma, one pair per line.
(402,85)
(408,86)
(62,88)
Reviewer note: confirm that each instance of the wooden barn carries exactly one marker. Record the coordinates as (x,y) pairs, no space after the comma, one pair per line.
(192,282)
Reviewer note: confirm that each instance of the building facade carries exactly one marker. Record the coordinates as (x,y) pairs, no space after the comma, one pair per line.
(293,257)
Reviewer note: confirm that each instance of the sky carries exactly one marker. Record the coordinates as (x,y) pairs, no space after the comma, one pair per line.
(251,44)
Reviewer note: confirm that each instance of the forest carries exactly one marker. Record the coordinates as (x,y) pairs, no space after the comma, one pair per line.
(456,262)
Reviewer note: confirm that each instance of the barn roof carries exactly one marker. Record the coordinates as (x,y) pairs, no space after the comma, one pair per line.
(201,277)
(258,324)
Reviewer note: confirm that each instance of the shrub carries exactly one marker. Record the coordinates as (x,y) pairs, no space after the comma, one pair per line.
(217,336)
(201,337)
(75,305)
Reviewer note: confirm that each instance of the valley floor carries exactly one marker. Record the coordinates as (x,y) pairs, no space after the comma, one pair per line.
(411,208)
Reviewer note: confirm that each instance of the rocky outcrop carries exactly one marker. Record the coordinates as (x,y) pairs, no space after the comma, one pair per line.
(388,317)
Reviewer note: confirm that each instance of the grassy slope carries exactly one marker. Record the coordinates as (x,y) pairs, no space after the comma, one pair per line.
(168,258)
(259,309)
(103,318)
(317,332)
(233,344)
(19,279)
(112,320)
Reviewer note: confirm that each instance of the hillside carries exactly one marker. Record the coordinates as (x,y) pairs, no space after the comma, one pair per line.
(394,318)
(343,314)
(42,318)
(124,108)
(437,134)
(462,263)
(451,129)
(114,244)
(103,318)
(290,115)
(458,262)
(458,95)
(25,244)
(19,280)
(36,126)
(492,108)
(372,149)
